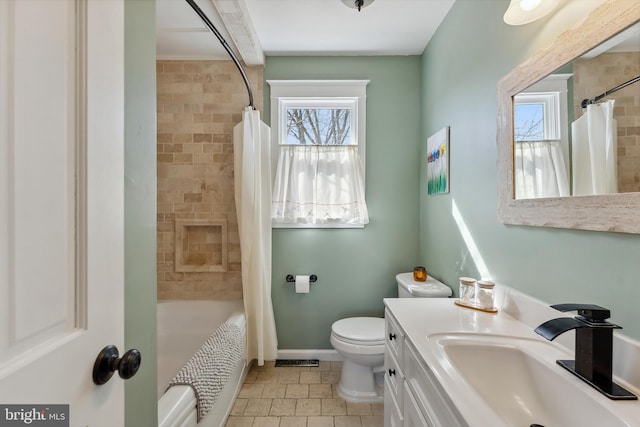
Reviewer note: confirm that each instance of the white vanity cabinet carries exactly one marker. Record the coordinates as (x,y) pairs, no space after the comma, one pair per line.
(448,366)
(394,376)
(412,395)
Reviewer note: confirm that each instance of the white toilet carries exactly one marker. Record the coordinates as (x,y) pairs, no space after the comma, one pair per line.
(360,341)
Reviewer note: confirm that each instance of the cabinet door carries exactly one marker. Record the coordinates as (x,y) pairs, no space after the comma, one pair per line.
(394,336)
(427,391)
(392,413)
(393,375)
(413,416)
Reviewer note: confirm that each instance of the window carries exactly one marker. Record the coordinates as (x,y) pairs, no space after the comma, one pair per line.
(537,117)
(318,122)
(540,167)
(318,152)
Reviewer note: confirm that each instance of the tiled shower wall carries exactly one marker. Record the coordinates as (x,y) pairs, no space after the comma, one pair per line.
(199,103)
(598,75)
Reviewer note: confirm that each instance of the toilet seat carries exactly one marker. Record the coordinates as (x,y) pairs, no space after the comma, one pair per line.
(361,331)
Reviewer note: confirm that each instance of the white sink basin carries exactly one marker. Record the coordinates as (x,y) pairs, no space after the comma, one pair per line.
(520,381)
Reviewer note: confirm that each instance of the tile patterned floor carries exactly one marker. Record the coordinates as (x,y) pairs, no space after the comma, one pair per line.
(299,397)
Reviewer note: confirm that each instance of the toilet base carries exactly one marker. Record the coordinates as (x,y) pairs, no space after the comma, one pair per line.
(360,384)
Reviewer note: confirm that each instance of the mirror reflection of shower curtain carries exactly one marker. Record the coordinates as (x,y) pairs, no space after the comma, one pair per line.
(594,151)
(540,170)
(252,176)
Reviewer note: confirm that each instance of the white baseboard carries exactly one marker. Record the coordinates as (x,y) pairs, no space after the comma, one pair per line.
(323,355)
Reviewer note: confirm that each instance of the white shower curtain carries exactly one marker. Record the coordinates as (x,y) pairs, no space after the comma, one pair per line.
(594,151)
(540,170)
(251,145)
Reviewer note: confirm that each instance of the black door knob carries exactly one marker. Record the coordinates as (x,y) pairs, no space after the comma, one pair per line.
(108,361)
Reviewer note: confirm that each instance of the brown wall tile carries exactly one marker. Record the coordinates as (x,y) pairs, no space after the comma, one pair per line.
(198,103)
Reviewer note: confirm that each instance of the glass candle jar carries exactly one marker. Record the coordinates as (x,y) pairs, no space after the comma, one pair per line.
(420,274)
(485,294)
(467,289)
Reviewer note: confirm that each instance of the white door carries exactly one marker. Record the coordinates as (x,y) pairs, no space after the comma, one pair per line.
(61,206)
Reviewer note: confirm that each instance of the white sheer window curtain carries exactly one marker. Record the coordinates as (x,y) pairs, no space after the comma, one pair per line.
(540,170)
(318,185)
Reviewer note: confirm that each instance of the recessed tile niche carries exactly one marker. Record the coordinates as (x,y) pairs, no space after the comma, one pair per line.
(201,246)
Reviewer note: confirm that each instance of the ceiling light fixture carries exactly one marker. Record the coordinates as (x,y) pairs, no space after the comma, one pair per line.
(357,4)
(522,12)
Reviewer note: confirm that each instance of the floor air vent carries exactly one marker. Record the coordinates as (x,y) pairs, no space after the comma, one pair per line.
(314,363)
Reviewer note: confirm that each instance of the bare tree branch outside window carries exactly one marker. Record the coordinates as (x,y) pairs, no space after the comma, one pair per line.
(315,126)
(529,123)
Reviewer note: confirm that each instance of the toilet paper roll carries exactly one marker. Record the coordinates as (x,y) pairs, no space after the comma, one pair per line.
(302,284)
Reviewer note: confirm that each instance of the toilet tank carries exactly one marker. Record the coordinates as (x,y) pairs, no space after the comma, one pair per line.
(432,288)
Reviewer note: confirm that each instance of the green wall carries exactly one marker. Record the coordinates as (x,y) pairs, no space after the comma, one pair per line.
(140,209)
(462,64)
(356,268)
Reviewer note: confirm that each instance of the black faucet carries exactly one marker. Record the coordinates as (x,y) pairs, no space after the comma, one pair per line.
(594,346)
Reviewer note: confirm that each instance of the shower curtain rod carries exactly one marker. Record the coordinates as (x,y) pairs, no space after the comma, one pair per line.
(226,46)
(586,102)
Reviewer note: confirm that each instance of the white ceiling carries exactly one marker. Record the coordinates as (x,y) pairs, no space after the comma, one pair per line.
(302,27)
(180,34)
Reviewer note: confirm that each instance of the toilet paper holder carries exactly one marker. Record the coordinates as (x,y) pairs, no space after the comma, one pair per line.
(292,279)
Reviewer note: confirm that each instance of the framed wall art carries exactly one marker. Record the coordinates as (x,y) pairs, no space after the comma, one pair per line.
(438,162)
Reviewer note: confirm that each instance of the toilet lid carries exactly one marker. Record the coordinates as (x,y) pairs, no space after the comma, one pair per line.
(432,288)
(362,329)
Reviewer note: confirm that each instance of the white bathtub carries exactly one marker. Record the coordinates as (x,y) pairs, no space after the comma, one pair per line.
(183,326)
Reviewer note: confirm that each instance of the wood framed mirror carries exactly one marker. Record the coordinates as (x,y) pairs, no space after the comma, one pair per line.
(615,212)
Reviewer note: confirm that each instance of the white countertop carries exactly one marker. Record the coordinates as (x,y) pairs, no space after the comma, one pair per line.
(423,318)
